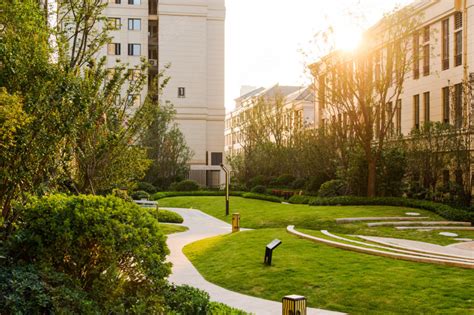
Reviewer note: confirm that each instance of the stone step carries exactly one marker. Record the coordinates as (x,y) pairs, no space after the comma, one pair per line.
(465,228)
(361,219)
(428,223)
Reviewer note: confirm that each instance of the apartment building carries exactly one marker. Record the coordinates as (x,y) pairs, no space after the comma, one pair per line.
(185,38)
(297,111)
(442,52)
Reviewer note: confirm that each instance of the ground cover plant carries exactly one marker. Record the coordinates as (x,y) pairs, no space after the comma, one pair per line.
(332,278)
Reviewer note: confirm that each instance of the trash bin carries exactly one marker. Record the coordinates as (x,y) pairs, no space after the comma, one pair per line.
(294,305)
(235,222)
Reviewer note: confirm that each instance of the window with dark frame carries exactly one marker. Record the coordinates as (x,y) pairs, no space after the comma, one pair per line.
(416,111)
(416,55)
(135,2)
(426,107)
(216,158)
(458,115)
(134,24)
(114,23)
(446,178)
(445,44)
(134,49)
(426,60)
(426,33)
(398,121)
(446,110)
(181,92)
(113,49)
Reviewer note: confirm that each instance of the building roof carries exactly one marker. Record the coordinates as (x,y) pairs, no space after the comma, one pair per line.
(303,94)
(249,94)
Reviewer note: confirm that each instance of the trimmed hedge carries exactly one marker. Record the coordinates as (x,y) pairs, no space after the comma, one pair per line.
(166,216)
(215,308)
(261,197)
(299,199)
(443,210)
(185,185)
(166,194)
(259,189)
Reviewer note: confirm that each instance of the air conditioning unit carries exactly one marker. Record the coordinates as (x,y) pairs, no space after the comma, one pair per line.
(153,62)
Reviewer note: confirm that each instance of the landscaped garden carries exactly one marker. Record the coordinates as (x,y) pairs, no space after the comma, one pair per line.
(330,278)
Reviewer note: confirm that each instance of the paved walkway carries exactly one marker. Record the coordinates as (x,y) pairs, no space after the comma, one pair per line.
(203,226)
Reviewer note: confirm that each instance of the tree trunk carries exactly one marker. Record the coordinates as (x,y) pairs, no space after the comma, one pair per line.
(371,177)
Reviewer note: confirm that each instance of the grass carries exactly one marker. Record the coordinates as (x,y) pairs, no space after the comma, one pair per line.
(332,278)
(172,228)
(257,214)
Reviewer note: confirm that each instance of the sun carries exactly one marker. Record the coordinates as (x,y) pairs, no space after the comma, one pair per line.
(347,39)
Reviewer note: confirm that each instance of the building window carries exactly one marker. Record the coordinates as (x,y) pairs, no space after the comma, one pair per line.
(426,60)
(416,111)
(398,120)
(114,23)
(457,20)
(458,105)
(134,74)
(134,24)
(181,92)
(446,111)
(115,1)
(134,100)
(426,107)
(134,49)
(216,158)
(135,2)
(416,56)
(426,33)
(113,49)
(445,44)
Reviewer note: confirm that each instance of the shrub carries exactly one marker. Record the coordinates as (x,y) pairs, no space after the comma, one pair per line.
(285,180)
(314,184)
(166,216)
(438,208)
(299,199)
(140,194)
(186,300)
(122,194)
(256,181)
(261,197)
(333,188)
(216,308)
(149,188)
(298,183)
(185,185)
(116,242)
(259,189)
(167,194)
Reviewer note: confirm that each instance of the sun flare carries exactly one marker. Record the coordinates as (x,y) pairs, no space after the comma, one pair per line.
(347,38)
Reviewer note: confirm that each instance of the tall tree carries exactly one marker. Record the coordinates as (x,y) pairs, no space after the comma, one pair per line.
(366,84)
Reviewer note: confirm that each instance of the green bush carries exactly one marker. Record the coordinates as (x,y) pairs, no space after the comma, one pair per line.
(259,189)
(314,184)
(333,188)
(185,185)
(122,194)
(438,208)
(167,194)
(256,181)
(285,180)
(140,194)
(299,199)
(216,308)
(298,183)
(261,197)
(149,188)
(166,216)
(186,300)
(112,251)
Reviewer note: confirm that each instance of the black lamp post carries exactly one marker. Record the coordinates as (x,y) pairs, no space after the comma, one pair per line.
(226,171)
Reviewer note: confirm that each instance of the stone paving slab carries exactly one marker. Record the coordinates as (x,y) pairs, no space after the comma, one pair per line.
(451,228)
(361,219)
(203,226)
(428,223)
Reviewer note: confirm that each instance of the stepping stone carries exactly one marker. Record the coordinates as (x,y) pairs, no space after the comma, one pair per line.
(428,223)
(463,239)
(349,220)
(448,234)
(412,213)
(459,228)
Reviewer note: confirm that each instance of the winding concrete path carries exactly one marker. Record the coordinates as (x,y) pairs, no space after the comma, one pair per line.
(202,226)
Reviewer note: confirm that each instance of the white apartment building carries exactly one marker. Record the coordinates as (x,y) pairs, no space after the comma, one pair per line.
(445,44)
(188,37)
(298,111)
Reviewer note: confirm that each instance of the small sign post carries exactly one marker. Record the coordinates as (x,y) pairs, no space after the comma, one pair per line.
(269,251)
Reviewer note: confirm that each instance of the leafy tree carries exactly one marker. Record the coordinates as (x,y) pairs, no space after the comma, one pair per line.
(367,84)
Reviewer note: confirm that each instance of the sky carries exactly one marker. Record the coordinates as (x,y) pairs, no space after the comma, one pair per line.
(270,41)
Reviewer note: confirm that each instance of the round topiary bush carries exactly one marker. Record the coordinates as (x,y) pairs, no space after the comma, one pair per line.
(257,181)
(314,184)
(166,216)
(298,183)
(149,188)
(285,180)
(333,188)
(185,185)
(259,189)
(140,194)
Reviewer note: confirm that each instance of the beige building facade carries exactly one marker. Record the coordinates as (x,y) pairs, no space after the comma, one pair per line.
(185,38)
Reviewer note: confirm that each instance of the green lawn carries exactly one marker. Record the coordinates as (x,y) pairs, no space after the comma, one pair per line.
(332,278)
(261,214)
(172,228)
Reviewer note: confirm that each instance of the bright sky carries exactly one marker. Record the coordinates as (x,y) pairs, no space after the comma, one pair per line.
(265,38)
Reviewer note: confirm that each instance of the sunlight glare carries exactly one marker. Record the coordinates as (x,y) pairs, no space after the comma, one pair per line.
(347,39)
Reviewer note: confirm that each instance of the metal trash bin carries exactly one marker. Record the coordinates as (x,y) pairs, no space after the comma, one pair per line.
(235,222)
(294,305)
